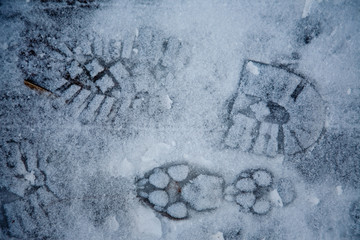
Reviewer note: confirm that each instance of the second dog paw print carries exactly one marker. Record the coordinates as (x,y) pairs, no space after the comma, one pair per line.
(250,190)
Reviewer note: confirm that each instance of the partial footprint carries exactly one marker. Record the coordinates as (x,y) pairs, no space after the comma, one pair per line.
(100,79)
(274,111)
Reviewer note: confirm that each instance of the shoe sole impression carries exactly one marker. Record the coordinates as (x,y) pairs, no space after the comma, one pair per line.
(98,79)
(274,111)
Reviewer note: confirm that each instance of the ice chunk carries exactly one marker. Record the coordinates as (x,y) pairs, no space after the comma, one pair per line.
(94,68)
(271,84)
(246,200)
(105,83)
(98,46)
(64,49)
(242,102)
(159,179)
(307,116)
(291,144)
(231,190)
(127,46)
(148,226)
(119,71)
(339,190)
(159,198)
(166,101)
(71,92)
(261,206)
(30,177)
(266,142)
(172,48)
(105,109)
(275,198)
(57,83)
(143,194)
(217,236)
(252,68)
(111,223)
(179,172)
(240,134)
(355,211)
(80,102)
(261,110)
(114,49)
(90,112)
(204,192)
(313,200)
(286,190)
(177,210)
(75,69)
(262,178)
(246,185)
(272,146)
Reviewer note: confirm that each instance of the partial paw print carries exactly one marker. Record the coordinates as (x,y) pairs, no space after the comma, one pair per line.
(99,79)
(176,190)
(274,111)
(250,191)
(179,191)
(255,191)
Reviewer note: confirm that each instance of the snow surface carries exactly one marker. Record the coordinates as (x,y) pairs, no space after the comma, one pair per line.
(204,192)
(129,86)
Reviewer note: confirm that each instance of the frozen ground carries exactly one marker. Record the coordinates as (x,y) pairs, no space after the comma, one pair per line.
(180,119)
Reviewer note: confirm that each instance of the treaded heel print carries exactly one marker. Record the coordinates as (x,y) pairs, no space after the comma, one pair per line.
(274,111)
(177,190)
(98,78)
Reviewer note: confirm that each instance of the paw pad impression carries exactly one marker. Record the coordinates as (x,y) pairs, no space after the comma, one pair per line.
(176,190)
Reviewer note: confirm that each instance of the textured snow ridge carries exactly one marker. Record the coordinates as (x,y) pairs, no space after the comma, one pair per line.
(256,191)
(96,76)
(174,190)
(274,111)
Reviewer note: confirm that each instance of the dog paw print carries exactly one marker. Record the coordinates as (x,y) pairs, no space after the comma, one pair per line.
(274,111)
(250,191)
(177,190)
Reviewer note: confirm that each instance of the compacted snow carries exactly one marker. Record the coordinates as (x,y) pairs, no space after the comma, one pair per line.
(165,119)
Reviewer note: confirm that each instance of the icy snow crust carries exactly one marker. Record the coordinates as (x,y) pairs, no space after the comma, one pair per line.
(96,95)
